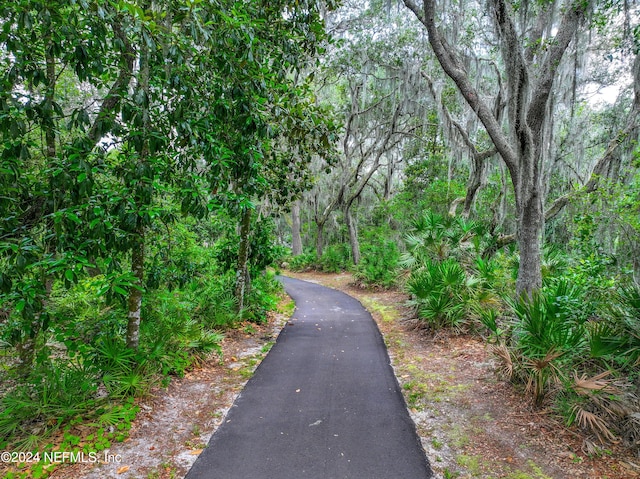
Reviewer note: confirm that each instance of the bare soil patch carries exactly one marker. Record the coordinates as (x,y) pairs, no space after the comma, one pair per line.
(471,423)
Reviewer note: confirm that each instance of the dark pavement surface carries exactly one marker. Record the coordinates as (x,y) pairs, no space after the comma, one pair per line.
(324,403)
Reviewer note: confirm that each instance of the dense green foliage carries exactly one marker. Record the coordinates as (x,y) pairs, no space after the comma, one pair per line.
(84,372)
(135,136)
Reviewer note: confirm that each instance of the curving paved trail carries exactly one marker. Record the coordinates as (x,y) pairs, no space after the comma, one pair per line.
(323,404)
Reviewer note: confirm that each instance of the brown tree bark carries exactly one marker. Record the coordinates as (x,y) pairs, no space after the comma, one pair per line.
(134,301)
(108,107)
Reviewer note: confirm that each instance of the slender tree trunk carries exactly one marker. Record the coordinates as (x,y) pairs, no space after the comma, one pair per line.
(319,239)
(242,273)
(353,234)
(50,134)
(27,348)
(296,239)
(26,351)
(134,302)
(500,211)
(109,107)
(388,182)
(477,178)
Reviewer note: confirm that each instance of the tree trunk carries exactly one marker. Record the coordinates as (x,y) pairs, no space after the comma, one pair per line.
(319,239)
(296,239)
(477,179)
(49,126)
(388,182)
(500,208)
(530,227)
(353,234)
(134,303)
(27,348)
(242,273)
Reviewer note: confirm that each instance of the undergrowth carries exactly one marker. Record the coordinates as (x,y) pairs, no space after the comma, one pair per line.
(573,346)
(82,392)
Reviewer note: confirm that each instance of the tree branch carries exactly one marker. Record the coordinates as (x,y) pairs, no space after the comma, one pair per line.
(572,18)
(455,70)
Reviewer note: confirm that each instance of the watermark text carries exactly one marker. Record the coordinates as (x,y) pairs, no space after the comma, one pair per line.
(59,457)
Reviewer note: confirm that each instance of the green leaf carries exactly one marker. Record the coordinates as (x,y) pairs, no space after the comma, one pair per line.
(20,305)
(73,217)
(120,290)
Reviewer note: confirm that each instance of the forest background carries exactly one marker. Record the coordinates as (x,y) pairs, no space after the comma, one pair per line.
(157,157)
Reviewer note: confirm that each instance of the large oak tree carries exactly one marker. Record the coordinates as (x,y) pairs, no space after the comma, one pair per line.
(533,44)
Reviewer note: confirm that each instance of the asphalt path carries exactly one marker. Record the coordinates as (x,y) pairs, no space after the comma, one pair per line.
(323,404)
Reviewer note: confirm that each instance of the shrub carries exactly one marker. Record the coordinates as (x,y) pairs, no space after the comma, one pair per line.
(378,265)
(302,262)
(580,357)
(212,301)
(617,335)
(50,396)
(336,258)
(441,294)
(263,297)
(547,337)
(437,237)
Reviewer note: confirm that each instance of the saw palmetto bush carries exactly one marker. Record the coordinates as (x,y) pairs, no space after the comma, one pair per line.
(211,301)
(56,392)
(545,338)
(616,336)
(614,340)
(303,262)
(576,355)
(428,240)
(446,283)
(378,265)
(440,293)
(605,405)
(438,237)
